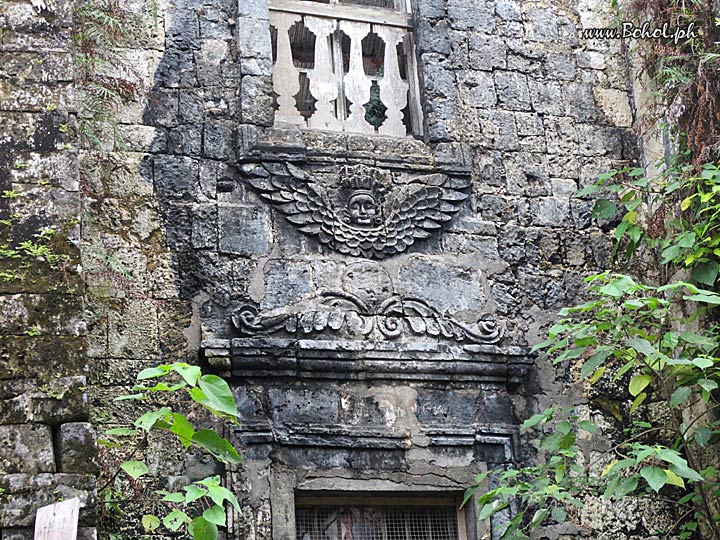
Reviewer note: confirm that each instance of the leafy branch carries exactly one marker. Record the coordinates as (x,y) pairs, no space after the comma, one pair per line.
(212,393)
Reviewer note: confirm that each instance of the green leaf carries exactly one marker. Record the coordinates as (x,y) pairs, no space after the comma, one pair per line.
(702,435)
(173,497)
(558,514)
(534,420)
(134,468)
(674,479)
(215,514)
(706,273)
(215,395)
(707,384)
(148,420)
(596,360)
(183,429)
(703,362)
(539,517)
(655,477)
(596,376)
(488,510)
(705,297)
(604,209)
(587,425)
(193,493)
(219,494)
(129,397)
(121,432)
(150,522)
(175,519)
(151,373)
(638,401)
(202,529)
(638,383)
(189,373)
(587,190)
(626,486)
(679,396)
(642,346)
(217,446)
(617,287)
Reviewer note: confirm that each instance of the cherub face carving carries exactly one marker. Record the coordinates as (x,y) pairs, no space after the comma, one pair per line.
(362,209)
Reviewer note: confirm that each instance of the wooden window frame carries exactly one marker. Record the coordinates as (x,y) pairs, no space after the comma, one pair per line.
(398,18)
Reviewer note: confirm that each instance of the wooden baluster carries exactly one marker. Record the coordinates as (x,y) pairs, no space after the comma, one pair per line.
(393,90)
(323,81)
(357,85)
(286,77)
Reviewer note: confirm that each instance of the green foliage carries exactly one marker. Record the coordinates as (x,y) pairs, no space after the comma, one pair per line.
(685,219)
(100,31)
(199,506)
(627,334)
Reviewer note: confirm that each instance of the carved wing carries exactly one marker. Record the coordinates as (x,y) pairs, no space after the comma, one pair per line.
(422,207)
(304,204)
(414,212)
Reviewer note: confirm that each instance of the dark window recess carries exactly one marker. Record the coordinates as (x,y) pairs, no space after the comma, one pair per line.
(376,523)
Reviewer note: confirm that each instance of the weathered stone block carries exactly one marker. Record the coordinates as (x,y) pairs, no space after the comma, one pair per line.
(553,211)
(508,10)
(427,279)
(182,29)
(254,37)
(579,101)
(546,97)
(61,400)
(162,108)
(301,405)
(28,492)
(541,24)
(286,282)
(467,14)
(479,89)
(132,330)
(76,448)
(256,100)
(499,129)
(176,177)
(512,90)
(217,141)
(26,448)
(244,230)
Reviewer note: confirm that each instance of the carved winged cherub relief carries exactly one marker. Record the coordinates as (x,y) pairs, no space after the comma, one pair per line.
(369,212)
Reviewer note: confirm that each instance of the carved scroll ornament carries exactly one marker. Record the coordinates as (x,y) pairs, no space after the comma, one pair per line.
(366,212)
(369,307)
(341,312)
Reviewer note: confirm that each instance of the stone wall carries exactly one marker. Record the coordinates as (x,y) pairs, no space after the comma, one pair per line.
(47,445)
(519,111)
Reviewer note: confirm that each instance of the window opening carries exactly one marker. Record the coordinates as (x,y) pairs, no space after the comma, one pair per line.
(345,65)
(376,523)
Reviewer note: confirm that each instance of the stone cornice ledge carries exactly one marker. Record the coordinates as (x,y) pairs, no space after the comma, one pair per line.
(356,359)
(319,147)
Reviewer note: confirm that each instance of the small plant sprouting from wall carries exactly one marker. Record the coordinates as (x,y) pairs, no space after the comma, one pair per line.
(106,77)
